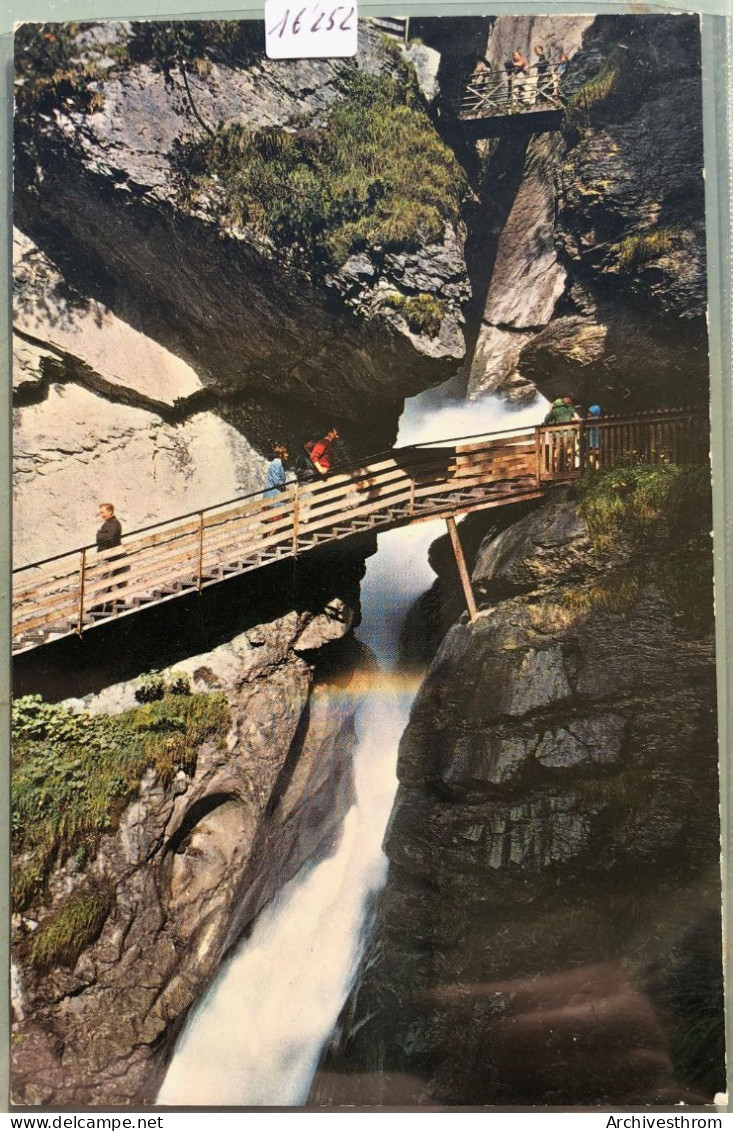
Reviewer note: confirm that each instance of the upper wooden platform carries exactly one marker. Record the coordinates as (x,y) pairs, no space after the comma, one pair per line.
(498,105)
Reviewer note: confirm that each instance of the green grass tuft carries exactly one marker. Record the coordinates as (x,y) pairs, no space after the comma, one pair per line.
(593,92)
(77,923)
(636,251)
(423,313)
(73,774)
(650,523)
(640,502)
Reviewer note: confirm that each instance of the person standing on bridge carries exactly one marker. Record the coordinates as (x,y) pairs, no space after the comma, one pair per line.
(509,72)
(275,482)
(593,437)
(482,70)
(320,453)
(108,537)
(109,534)
(563,412)
(520,75)
(560,71)
(541,67)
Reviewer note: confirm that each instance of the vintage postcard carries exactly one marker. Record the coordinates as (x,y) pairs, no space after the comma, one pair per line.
(364,723)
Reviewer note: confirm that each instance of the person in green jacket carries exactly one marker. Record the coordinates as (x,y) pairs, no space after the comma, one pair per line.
(561,412)
(565,456)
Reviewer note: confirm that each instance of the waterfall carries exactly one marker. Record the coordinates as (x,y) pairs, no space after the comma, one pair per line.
(257,1035)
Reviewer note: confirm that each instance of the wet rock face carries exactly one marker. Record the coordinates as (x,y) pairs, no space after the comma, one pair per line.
(598,287)
(527,279)
(191,346)
(557,778)
(76,449)
(99,192)
(189,866)
(630,223)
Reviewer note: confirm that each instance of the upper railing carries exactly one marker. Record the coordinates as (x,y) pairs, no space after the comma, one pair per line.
(74,591)
(491,94)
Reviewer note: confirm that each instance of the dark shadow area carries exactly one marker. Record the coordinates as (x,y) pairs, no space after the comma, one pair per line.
(525,125)
(291,761)
(165,634)
(572,1014)
(461,40)
(196,813)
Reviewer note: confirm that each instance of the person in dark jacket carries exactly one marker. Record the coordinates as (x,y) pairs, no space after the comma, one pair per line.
(541,66)
(109,534)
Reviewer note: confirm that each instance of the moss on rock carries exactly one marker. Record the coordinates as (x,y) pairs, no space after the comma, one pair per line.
(73,774)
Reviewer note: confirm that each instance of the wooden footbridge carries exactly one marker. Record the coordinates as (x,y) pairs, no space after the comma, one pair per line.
(84,589)
(495,104)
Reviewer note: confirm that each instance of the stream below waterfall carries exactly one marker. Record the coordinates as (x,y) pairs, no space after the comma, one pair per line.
(257,1035)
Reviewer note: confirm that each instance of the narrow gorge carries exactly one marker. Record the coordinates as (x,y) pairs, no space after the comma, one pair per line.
(215,253)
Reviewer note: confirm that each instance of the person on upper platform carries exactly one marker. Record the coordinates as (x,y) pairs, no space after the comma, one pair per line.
(562,411)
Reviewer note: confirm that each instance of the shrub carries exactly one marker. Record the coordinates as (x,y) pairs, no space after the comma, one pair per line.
(51,68)
(179,683)
(73,774)
(150,687)
(193,42)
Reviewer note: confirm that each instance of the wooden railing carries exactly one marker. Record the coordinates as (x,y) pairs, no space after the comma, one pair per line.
(75,591)
(669,436)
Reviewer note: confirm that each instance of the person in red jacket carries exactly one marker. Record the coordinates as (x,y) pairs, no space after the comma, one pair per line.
(320,453)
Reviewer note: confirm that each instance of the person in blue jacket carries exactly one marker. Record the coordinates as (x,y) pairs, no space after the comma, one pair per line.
(593,437)
(275,482)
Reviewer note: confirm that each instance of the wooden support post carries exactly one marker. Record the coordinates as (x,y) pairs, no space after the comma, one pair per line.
(412,497)
(80,621)
(201,551)
(538,455)
(462,568)
(296,519)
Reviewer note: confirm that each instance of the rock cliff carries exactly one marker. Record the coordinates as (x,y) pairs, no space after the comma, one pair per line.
(553,848)
(179,872)
(553,856)
(597,286)
(182,331)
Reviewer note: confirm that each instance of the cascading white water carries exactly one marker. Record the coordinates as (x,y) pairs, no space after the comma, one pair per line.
(257,1035)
